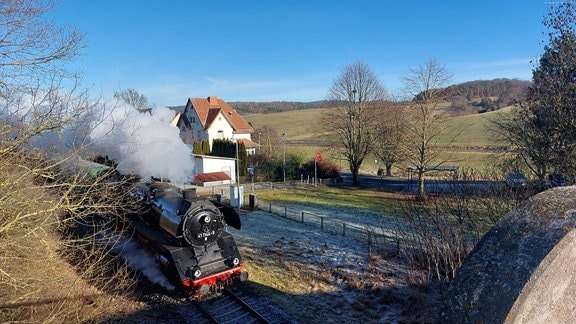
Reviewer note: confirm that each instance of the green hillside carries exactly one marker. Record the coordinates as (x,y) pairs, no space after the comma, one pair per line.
(464,151)
(303,125)
(298,124)
(475,130)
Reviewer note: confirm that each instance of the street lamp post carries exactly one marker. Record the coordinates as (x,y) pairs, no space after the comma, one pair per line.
(284,155)
(260,142)
(315,169)
(237,174)
(379,172)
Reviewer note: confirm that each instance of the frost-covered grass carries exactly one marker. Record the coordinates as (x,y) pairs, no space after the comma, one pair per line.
(384,203)
(318,277)
(335,278)
(373,207)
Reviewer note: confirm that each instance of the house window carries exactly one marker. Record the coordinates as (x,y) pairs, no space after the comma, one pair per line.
(193,120)
(221,134)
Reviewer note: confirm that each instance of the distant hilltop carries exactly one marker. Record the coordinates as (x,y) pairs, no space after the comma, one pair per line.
(250,107)
(468,98)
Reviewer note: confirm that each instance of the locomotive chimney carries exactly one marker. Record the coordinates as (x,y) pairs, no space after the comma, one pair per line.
(189,193)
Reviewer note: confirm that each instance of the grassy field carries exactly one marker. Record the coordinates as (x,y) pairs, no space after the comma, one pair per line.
(472,148)
(475,130)
(378,201)
(298,124)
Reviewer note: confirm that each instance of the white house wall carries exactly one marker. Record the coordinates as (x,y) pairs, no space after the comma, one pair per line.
(222,124)
(208,164)
(219,124)
(198,132)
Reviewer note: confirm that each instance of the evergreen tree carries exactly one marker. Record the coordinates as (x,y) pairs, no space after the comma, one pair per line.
(197,148)
(544,127)
(206,147)
(243,157)
(227,148)
(223,147)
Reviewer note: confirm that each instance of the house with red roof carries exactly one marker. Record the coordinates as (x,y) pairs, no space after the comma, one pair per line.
(206,119)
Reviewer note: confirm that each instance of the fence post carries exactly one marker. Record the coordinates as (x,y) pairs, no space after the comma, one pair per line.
(285,212)
(322,222)
(369,242)
(343,229)
(302,217)
(270,208)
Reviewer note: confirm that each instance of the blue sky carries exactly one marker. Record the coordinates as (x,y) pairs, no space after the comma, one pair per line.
(293,50)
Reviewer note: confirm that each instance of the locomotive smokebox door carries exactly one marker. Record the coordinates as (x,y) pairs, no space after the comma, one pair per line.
(202,224)
(231,217)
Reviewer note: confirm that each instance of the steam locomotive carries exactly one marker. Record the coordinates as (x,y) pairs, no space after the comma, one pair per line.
(188,235)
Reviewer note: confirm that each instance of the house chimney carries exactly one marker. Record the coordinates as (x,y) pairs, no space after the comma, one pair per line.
(213,101)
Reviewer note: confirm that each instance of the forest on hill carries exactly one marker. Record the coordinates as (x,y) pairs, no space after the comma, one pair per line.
(483,96)
(468,98)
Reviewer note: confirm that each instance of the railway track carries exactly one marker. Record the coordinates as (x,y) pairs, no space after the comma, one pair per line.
(231,308)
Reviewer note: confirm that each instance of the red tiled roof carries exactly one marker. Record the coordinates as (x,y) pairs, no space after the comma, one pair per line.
(211,177)
(212,115)
(248,143)
(209,108)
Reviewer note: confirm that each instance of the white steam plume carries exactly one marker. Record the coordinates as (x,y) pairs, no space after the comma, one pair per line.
(141,260)
(142,143)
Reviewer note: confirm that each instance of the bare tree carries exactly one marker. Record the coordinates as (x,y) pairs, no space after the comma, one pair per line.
(269,141)
(34,73)
(390,135)
(354,125)
(34,51)
(426,85)
(41,112)
(134,98)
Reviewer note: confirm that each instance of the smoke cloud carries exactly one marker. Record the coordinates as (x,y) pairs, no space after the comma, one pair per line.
(141,260)
(142,143)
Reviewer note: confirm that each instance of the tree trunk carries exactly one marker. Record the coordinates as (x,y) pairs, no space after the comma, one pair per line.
(389,170)
(421,195)
(355,181)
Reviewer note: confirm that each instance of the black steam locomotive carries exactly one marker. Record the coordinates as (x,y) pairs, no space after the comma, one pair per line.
(188,235)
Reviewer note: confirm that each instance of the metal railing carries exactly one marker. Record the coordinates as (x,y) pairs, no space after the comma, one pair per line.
(377,238)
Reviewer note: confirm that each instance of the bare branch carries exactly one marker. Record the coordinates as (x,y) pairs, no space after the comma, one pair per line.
(354,125)
(426,85)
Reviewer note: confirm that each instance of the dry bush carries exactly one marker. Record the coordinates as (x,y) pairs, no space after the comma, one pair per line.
(93,225)
(436,236)
(41,108)
(324,273)
(36,216)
